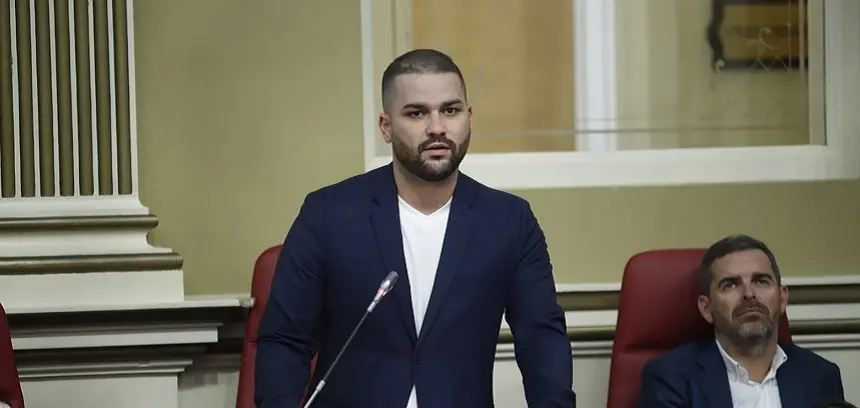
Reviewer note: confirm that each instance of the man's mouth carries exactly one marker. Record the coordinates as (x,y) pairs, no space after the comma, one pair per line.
(749,311)
(438,147)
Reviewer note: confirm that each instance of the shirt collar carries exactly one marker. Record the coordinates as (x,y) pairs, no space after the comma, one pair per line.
(737,371)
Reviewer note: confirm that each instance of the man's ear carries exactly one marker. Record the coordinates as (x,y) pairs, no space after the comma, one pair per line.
(705,308)
(783,292)
(384,123)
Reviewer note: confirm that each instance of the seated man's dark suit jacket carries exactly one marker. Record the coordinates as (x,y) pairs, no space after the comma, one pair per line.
(695,376)
(346,239)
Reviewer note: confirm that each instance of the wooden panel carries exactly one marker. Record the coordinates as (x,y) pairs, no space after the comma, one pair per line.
(517,58)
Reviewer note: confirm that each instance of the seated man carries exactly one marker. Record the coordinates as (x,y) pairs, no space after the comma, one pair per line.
(742,295)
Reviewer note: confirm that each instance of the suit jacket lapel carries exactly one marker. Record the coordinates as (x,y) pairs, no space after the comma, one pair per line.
(790,378)
(713,377)
(389,239)
(456,240)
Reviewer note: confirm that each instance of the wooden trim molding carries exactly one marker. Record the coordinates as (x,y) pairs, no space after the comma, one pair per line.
(113,222)
(800,295)
(90,263)
(234,317)
(798,328)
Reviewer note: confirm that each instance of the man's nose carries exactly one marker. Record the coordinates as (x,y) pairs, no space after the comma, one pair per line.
(436,125)
(749,292)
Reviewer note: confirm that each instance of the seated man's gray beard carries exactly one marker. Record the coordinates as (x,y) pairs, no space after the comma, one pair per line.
(757,332)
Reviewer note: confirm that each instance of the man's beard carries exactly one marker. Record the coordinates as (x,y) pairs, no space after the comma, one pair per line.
(749,330)
(427,170)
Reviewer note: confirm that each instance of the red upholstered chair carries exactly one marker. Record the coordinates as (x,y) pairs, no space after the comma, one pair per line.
(10,385)
(264,271)
(656,313)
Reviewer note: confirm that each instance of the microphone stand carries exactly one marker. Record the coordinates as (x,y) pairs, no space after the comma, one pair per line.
(386,287)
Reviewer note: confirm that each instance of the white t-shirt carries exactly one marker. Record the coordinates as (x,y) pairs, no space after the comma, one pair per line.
(423,236)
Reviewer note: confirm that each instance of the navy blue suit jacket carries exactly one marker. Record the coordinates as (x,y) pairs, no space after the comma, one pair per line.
(695,376)
(343,243)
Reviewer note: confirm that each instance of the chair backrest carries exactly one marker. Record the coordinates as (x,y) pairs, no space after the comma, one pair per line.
(656,313)
(10,385)
(261,282)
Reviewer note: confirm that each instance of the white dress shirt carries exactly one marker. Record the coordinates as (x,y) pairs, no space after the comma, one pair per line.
(750,394)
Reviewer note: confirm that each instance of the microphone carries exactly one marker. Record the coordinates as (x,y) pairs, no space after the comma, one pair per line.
(385,287)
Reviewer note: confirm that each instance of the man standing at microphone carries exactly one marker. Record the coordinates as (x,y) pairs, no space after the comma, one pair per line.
(465,255)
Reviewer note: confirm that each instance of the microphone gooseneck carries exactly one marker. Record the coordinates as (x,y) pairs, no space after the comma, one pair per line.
(385,287)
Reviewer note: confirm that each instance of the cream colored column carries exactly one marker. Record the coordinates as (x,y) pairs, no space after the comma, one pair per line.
(70,215)
(66,101)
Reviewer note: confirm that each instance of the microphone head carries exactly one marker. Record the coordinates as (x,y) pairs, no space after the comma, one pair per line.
(389,282)
(392,277)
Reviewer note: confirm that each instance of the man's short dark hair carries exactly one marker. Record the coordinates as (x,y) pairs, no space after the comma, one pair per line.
(419,61)
(726,246)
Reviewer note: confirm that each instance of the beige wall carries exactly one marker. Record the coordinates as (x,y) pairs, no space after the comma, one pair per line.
(244,107)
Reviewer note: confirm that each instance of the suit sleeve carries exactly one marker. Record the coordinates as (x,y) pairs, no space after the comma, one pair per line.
(285,341)
(657,390)
(537,322)
(835,384)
